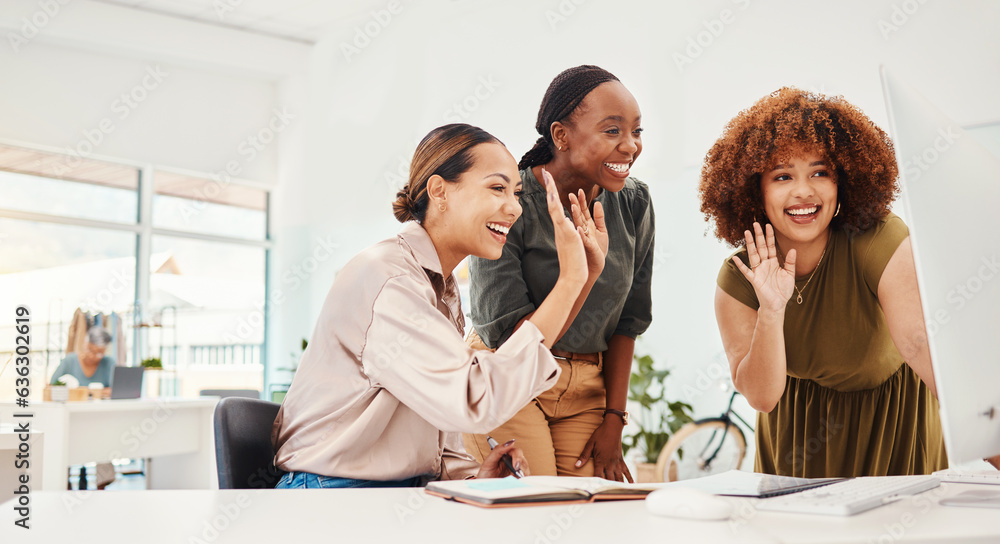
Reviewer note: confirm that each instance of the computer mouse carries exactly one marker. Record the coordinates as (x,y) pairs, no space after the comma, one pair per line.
(688,503)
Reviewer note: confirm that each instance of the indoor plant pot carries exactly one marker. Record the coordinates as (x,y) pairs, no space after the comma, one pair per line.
(657,418)
(59,392)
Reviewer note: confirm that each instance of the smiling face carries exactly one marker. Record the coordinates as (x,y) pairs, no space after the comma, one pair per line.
(604,136)
(800,198)
(483,205)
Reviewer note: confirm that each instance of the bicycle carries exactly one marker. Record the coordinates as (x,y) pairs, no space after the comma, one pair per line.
(704,447)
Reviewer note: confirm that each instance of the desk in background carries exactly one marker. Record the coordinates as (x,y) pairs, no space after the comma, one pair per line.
(411,516)
(176,433)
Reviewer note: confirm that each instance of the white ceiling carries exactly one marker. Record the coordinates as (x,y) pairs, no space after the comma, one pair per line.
(297,20)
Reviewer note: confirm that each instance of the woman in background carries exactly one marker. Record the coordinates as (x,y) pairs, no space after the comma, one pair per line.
(387,382)
(590,136)
(91,365)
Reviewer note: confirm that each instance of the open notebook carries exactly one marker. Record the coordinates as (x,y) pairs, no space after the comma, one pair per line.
(510,491)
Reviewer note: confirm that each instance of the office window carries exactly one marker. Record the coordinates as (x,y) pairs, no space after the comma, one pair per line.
(207,313)
(46,183)
(55,269)
(202,205)
(60,250)
(71,232)
(207,290)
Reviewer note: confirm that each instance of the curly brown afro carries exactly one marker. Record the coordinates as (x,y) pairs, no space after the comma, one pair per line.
(778,125)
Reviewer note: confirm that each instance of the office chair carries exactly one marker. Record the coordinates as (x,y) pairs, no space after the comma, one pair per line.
(243,453)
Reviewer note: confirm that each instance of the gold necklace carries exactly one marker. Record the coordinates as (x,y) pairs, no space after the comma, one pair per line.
(798,299)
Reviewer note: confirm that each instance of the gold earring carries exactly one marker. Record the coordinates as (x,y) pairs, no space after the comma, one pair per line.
(442,207)
(836,213)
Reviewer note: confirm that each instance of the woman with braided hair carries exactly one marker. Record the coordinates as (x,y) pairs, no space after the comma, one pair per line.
(387,383)
(590,132)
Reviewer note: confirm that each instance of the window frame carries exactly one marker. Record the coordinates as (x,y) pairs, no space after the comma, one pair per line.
(144,231)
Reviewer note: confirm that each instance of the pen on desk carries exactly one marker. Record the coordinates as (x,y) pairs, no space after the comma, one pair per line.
(507,461)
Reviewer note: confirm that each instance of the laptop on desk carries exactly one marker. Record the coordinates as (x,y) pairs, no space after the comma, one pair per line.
(126,382)
(739,483)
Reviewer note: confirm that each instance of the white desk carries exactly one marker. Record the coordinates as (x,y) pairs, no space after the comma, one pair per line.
(176,433)
(409,515)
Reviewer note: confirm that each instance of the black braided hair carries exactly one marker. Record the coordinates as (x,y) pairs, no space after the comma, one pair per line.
(561,99)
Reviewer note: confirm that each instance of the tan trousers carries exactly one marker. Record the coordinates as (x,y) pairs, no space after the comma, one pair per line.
(554,427)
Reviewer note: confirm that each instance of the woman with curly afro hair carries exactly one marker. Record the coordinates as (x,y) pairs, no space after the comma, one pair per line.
(818,309)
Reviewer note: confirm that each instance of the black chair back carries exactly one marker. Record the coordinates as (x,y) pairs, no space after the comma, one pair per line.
(244,455)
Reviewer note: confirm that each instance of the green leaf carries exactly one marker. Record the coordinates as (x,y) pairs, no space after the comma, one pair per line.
(658,417)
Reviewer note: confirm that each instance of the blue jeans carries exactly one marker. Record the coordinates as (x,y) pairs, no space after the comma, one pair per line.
(308,480)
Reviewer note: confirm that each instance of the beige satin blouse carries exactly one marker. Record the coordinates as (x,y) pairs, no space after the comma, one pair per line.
(387,382)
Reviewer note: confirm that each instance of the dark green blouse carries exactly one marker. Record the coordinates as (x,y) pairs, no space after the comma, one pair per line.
(851,406)
(505,290)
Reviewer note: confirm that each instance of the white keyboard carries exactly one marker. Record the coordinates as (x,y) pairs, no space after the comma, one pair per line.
(849,496)
(991,477)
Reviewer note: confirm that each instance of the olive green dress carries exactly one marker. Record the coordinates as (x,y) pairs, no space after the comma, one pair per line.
(851,406)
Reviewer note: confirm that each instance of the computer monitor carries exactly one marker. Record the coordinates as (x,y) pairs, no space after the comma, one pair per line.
(951,194)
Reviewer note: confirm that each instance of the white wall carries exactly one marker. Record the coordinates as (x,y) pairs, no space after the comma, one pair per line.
(193,92)
(188,119)
(367,112)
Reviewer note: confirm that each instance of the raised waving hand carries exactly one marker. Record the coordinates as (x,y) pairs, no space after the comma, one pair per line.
(570,240)
(772,282)
(592,228)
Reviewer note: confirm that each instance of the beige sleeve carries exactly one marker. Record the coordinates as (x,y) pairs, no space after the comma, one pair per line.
(414,352)
(456,464)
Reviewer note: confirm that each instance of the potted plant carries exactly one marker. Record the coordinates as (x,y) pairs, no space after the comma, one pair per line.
(279,386)
(151,382)
(152,363)
(59,391)
(657,419)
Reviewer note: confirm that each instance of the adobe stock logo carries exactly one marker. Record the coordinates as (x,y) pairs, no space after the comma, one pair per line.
(224,7)
(462,109)
(364,34)
(122,107)
(249,148)
(900,16)
(31,26)
(705,38)
(916,165)
(964,292)
(563,12)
